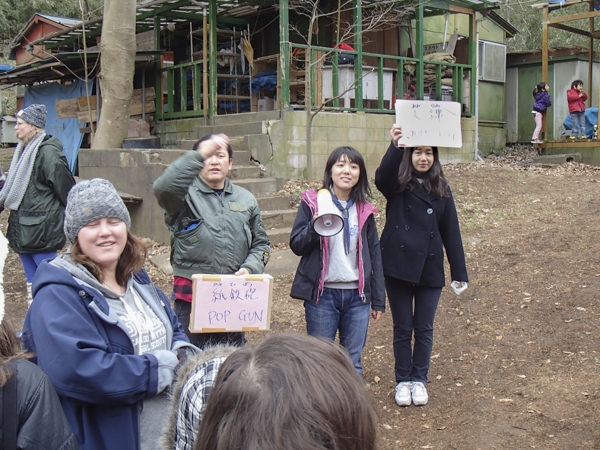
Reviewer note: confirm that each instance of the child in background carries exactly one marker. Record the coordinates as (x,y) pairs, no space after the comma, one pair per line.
(540,103)
(340,278)
(576,99)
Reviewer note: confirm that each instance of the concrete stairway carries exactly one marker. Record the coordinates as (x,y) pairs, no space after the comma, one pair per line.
(276,211)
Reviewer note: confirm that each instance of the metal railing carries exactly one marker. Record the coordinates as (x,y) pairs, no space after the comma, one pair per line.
(334,86)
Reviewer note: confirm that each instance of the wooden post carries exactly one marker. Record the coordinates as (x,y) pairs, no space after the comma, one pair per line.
(158,84)
(473,62)
(284,53)
(419,72)
(213,105)
(545,63)
(204,63)
(590,55)
(358,45)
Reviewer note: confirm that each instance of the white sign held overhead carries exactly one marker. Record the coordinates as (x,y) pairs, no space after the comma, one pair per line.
(431,123)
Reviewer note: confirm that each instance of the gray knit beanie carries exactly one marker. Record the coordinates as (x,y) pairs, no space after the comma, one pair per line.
(35,115)
(91,200)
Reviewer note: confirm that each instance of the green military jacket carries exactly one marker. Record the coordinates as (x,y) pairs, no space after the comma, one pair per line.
(37,225)
(210,234)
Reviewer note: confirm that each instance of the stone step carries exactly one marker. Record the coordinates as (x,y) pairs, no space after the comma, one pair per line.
(278,218)
(233,124)
(241,157)
(168,156)
(236,142)
(274,202)
(233,129)
(261,185)
(279,235)
(243,172)
(186,144)
(165,156)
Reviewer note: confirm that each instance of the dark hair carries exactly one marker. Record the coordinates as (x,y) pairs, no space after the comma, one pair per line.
(131,260)
(10,348)
(576,83)
(208,137)
(290,392)
(541,86)
(433,180)
(361,191)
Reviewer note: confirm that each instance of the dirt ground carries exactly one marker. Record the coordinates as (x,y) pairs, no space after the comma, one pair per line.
(516,356)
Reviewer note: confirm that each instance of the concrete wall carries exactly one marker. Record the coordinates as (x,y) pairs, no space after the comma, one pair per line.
(368,133)
(492,136)
(133,171)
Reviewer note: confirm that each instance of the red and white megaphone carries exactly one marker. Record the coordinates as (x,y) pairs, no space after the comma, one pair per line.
(329,222)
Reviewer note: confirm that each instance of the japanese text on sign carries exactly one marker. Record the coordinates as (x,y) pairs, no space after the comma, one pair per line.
(429,123)
(231,303)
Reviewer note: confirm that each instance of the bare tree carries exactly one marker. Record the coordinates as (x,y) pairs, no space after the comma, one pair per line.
(117,66)
(377,16)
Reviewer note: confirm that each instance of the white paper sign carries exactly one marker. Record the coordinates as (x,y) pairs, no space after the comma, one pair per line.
(434,124)
(223,303)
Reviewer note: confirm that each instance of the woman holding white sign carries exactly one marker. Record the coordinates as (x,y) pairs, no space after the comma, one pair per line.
(103,333)
(340,277)
(421,222)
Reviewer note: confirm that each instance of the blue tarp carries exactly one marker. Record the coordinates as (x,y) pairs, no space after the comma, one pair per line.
(266,81)
(591,117)
(66,130)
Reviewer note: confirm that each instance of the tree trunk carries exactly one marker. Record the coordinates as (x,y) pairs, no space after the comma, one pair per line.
(117,66)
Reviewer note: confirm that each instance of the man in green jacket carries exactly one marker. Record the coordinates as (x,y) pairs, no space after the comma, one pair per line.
(215,226)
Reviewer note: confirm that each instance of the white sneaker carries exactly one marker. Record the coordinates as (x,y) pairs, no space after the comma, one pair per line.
(403,393)
(419,393)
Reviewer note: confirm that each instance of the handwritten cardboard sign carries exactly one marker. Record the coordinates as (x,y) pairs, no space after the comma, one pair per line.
(434,124)
(223,303)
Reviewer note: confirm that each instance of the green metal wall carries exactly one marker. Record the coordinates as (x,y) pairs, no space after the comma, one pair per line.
(491,101)
(528,78)
(459,23)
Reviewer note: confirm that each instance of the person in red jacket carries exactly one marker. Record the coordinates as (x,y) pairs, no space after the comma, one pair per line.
(576,98)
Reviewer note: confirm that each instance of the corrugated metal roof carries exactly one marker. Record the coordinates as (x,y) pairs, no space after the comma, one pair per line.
(232,11)
(66,21)
(165,11)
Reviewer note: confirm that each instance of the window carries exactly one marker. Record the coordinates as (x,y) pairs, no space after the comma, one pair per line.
(492,61)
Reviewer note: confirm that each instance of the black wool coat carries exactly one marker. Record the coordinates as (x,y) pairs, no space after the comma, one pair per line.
(418,228)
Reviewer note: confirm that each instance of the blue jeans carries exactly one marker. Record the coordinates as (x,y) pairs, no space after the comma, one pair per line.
(413,311)
(343,310)
(578,124)
(31,261)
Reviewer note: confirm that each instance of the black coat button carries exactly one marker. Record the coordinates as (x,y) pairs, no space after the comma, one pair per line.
(406,227)
(429,211)
(432,256)
(402,248)
(408,208)
(432,234)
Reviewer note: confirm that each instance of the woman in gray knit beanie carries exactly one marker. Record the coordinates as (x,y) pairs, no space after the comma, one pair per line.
(101,330)
(35,192)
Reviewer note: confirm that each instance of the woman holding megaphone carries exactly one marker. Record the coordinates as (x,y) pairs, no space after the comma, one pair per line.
(421,222)
(340,276)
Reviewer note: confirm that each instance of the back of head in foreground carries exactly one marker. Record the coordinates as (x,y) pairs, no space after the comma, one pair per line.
(292,392)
